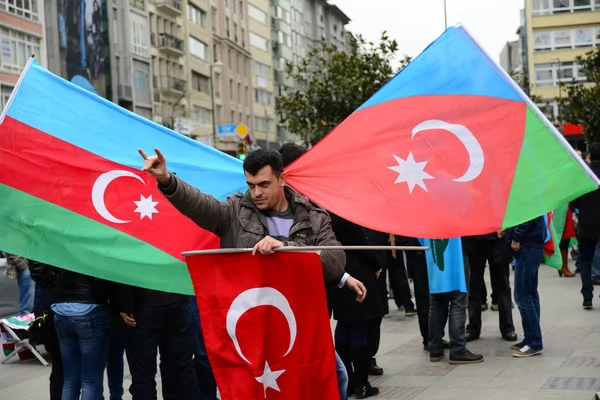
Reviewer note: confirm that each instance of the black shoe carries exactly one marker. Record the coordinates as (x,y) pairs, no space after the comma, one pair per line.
(410,312)
(494,307)
(366,391)
(484,306)
(509,336)
(471,336)
(375,369)
(445,344)
(436,357)
(425,346)
(587,304)
(517,346)
(466,358)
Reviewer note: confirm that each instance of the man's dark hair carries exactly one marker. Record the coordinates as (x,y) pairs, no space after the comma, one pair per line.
(258,159)
(595,151)
(290,152)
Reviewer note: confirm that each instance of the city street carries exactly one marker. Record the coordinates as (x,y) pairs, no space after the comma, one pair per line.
(568,369)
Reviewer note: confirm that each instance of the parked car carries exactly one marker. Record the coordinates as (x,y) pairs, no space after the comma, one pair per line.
(9,293)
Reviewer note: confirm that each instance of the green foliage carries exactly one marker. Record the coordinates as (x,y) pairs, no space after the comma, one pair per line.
(581,104)
(329,85)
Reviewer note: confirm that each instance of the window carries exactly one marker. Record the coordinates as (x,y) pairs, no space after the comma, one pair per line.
(262,96)
(582,4)
(230,89)
(262,124)
(202,116)
(200,83)
(139,4)
(549,75)
(243,38)
(23,8)
(284,38)
(239,93)
(139,35)
(197,16)
(213,18)
(258,41)
(241,9)
(545,7)
(217,83)
(5,92)
(257,14)
(544,76)
(561,5)
(197,48)
(565,39)
(140,80)
(235,35)
(16,48)
(233,5)
(261,69)
(227,26)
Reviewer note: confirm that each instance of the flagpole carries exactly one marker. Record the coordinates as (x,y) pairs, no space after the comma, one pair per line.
(14,91)
(289,249)
(445,16)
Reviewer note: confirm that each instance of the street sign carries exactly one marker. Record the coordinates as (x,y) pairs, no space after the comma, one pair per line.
(242,130)
(226,129)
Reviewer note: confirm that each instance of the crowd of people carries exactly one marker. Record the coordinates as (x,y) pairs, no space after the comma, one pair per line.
(88,324)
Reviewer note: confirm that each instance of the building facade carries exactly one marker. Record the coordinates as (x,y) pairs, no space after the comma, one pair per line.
(21,36)
(263,107)
(510,57)
(557,32)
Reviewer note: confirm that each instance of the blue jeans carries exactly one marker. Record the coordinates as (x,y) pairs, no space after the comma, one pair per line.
(115,367)
(83,344)
(528,262)
(342,375)
(587,248)
(204,374)
(26,292)
(450,306)
(596,263)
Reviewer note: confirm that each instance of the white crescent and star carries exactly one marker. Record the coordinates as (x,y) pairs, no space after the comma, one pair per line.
(252,298)
(413,172)
(145,206)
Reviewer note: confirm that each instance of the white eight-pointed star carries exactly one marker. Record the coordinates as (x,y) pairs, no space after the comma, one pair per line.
(411,172)
(269,378)
(146,207)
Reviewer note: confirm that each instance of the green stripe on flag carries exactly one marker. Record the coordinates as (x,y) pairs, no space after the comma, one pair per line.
(42,231)
(546,176)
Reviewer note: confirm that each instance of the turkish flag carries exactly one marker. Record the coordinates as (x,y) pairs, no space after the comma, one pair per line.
(266,325)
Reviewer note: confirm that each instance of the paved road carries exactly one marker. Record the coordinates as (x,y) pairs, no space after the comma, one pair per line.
(568,369)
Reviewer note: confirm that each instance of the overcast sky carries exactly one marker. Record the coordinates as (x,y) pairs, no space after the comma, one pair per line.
(416,23)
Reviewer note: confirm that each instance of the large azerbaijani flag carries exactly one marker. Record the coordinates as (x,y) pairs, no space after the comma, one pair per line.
(450,147)
(72,194)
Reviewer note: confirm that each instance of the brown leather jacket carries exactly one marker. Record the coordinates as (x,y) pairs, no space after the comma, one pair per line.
(240,224)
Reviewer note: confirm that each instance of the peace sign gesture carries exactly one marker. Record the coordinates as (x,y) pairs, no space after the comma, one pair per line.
(156,166)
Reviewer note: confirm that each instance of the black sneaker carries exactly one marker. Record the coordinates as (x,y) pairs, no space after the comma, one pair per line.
(436,357)
(375,369)
(366,391)
(517,346)
(466,358)
(587,304)
(494,307)
(484,306)
(410,312)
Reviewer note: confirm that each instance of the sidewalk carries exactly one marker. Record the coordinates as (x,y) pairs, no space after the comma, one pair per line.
(568,369)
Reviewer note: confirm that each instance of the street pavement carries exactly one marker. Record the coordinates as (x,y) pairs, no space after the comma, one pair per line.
(568,369)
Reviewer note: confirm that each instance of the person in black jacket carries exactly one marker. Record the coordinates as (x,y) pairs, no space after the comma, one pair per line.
(527,241)
(358,326)
(588,229)
(82,320)
(45,277)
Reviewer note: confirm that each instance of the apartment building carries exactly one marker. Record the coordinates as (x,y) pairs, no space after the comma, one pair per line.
(557,32)
(510,57)
(263,106)
(102,46)
(21,35)
(231,46)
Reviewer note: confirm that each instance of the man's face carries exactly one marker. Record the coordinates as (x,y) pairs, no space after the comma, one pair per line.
(266,188)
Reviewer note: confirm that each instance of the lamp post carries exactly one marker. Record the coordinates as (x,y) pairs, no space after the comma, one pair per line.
(558,79)
(267,120)
(216,64)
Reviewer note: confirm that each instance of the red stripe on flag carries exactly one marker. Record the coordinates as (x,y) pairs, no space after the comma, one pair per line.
(66,175)
(272,311)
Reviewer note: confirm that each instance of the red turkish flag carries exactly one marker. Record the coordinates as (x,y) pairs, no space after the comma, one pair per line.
(265,325)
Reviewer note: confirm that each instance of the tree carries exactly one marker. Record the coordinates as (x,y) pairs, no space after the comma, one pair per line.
(581,105)
(329,85)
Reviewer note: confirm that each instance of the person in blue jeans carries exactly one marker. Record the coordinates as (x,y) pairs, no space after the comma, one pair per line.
(18,268)
(204,374)
(527,242)
(82,320)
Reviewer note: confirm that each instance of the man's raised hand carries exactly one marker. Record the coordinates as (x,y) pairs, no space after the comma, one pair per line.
(156,166)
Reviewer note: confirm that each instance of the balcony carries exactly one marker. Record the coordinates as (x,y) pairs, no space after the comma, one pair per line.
(168,84)
(167,43)
(172,7)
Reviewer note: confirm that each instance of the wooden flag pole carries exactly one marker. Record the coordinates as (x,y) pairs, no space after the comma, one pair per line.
(306,248)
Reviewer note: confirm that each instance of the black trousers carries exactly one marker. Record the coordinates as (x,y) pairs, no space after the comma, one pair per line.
(489,251)
(399,282)
(417,267)
(167,329)
(356,343)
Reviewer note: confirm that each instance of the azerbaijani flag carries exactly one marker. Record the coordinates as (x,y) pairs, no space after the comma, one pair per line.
(72,194)
(449,147)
